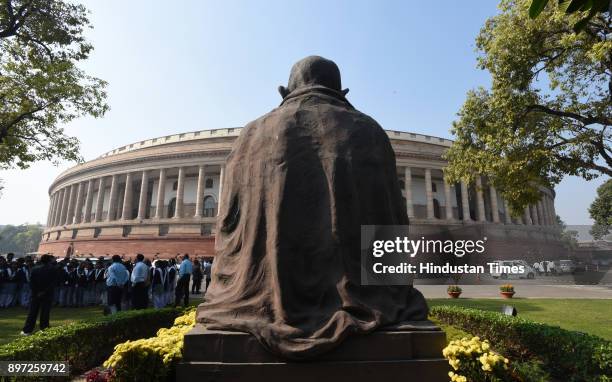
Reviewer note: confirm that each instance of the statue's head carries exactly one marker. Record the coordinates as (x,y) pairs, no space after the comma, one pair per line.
(313,71)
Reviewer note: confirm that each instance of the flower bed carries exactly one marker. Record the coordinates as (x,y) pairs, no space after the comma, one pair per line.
(151,359)
(565,355)
(473,360)
(87,344)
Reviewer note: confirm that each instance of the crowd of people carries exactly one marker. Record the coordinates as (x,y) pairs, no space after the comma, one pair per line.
(116,283)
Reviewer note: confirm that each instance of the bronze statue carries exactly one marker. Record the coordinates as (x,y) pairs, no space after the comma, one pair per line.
(299,183)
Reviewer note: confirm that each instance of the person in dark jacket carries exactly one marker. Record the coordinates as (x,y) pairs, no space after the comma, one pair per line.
(197,277)
(42,284)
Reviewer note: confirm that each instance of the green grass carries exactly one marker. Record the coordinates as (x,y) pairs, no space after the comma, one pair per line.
(592,316)
(12,319)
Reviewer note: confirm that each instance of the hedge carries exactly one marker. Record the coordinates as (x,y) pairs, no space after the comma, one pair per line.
(86,344)
(566,355)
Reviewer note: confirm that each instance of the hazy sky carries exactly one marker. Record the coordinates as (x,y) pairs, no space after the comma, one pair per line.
(191,65)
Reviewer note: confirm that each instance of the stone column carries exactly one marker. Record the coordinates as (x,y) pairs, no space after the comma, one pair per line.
(527,216)
(79,204)
(553,214)
(126,213)
(161,192)
(480,200)
(545,209)
(494,208)
(465,202)
(408,191)
(200,191)
(448,206)
(50,212)
(142,200)
(220,197)
(508,216)
(180,192)
(70,208)
(100,200)
(541,216)
(534,215)
(112,202)
(58,207)
(63,202)
(88,201)
(429,194)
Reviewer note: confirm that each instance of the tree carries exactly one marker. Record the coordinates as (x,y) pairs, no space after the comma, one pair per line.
(588,7)
(41,86)
(568,237)
(601,211)
(20,239)
(549,108)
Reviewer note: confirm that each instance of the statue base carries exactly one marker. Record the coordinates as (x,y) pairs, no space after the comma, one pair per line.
(407,352)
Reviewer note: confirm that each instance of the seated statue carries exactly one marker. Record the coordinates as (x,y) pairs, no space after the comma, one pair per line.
(299,182)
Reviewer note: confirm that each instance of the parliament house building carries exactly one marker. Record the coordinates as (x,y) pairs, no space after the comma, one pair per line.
(160,197)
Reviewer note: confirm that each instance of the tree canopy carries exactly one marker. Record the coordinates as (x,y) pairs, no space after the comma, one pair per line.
(41,86)
(548,111)
(601,211)
(20,239)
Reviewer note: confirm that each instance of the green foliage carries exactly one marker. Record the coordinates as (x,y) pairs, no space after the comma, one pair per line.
(20,239)
(566,355)
(548,111)
(601,211)
(41,86)
(589,7)
(568,237)
(86,344)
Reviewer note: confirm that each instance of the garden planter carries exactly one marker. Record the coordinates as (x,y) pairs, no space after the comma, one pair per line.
(454,294)
(507,294)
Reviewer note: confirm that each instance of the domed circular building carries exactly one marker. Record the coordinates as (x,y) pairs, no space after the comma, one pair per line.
(160,197)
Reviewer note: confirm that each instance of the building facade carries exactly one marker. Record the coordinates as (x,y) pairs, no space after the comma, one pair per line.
(161,196)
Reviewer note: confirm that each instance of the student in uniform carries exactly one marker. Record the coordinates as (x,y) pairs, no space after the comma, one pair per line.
(25,293)
(3,281)
(11,285)
(159,283)
(99,283)
(81,284)
(71,284)
(171,269)
(89,297)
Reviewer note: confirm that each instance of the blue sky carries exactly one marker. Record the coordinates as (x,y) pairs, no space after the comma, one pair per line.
(191,65)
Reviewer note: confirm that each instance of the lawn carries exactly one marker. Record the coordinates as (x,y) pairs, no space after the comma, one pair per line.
(592,316)
(12,319)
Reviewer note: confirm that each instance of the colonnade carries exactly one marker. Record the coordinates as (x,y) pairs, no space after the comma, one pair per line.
(74,203)
(541,213)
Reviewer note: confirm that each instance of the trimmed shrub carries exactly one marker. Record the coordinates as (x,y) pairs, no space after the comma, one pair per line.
(86,344)
(566,355)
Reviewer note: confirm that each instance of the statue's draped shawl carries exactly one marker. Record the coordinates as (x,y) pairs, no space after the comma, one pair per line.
(298,184)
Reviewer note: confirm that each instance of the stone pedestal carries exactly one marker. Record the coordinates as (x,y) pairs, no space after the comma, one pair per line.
(409,352)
